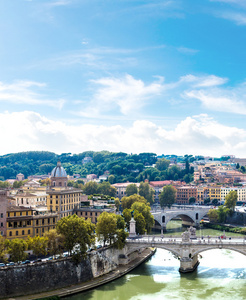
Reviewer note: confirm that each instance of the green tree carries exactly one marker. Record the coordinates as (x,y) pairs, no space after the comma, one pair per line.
(105,188)
(90,188)
(147,192)
(168,196)
(55,242)
(127,216)
(140,222)
(38,245)
(16,249)
(3,250)
(117,203)
(76,232)
(162,164)
(144,209)
(111,179)
(213,215)
(192,200)
(231,200)
(131,189)
(127,202)
(223,212)
(17,184)
(106,227)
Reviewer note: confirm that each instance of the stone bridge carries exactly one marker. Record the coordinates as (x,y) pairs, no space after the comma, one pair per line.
(190,215)
(187,248)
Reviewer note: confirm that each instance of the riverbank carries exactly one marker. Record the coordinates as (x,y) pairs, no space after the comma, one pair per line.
(225,227)
(78,288)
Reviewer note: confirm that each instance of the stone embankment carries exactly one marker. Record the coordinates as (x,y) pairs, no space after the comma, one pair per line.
(63,277)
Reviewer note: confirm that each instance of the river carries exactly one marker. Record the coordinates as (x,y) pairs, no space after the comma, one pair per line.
(220,275)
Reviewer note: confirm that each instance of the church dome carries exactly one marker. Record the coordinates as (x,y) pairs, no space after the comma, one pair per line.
(58,171)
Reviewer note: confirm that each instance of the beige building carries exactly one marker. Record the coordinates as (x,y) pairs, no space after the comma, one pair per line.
(241,193)
(60,198)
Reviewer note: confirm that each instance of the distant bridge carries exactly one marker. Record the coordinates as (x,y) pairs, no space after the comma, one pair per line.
(186,249)
(190,215)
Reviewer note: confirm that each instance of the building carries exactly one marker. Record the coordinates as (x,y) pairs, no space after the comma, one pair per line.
(27,199)
(184,193)
(5,201)
(213,192)
(23,222)
(20,177)
(157,186)
(121,188)
(91,212)
(61,198)
(241,193)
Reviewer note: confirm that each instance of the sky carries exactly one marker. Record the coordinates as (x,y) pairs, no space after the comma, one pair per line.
(162,76)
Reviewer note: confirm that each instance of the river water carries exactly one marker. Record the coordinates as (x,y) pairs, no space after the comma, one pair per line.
(220,275)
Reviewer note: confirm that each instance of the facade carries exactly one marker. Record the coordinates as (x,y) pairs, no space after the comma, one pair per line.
(23,222)
(121,188)
(30,199)
(63,201)
(158,186)
(241,193)
(5,201)
(213,192)
(184,193)
(91,213)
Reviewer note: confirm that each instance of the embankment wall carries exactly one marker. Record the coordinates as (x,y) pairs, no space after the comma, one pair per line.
(44,276)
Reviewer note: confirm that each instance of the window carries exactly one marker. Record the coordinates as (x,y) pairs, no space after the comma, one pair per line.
(29,231)
(1,224)
(23,232)
(36,222)
(37,230)
(10,233)
(1,215)
(16,233)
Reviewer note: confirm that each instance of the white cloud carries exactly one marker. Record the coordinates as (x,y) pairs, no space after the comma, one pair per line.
(203,81)
(22,92)
(126,94)
(195,135)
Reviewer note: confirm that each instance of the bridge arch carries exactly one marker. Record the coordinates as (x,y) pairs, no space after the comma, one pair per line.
(213,247)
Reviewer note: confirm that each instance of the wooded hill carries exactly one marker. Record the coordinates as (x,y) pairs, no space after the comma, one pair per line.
(124,167)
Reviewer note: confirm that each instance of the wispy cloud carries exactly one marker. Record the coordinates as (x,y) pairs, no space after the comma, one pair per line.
(24,92)
(188,51)
(195,135)
(233,2)
(236,17)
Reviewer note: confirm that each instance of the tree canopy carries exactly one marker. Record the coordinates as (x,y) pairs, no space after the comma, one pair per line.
(168,196)
(76,231)
(231,200)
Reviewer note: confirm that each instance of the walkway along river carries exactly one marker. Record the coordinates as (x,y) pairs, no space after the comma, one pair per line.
(220,275)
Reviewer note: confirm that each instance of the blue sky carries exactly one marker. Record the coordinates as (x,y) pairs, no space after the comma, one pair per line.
(128,75)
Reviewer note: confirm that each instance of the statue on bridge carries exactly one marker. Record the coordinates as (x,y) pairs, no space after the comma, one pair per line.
(192,231)
(186,237)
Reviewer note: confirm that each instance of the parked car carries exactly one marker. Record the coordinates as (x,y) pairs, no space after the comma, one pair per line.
(99,246)
(10,264)
(25,262)
(37,260)
(2,265)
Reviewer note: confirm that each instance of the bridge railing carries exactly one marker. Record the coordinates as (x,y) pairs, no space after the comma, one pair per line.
(178,240)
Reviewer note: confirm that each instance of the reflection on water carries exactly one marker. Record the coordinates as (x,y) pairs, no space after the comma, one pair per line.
(220,275)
